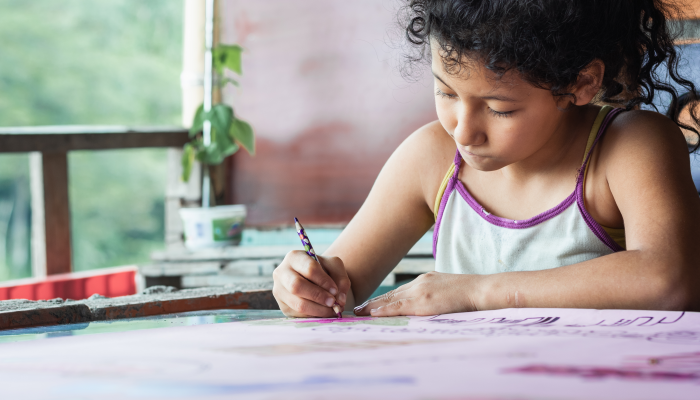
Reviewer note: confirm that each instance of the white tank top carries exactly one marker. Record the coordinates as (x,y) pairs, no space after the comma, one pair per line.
(469,240)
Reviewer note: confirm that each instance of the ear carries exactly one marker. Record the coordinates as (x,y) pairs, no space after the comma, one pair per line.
(589,82)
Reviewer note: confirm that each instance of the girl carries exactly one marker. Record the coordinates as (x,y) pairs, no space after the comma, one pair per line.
(539,196)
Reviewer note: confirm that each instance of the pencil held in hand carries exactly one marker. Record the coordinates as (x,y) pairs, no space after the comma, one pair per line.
(310,251)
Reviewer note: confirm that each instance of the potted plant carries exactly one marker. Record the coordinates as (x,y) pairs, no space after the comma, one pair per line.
(216,133)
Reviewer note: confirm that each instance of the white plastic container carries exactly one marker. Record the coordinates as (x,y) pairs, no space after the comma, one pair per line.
(213,227)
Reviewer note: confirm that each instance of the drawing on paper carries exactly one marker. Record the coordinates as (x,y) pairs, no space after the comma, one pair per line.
(681,361)
(145,389)
(316,322)
(605,372)
(530,353)
(330,346)
(672,367)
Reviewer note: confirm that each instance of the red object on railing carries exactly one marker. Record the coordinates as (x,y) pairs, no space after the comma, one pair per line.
(109,282)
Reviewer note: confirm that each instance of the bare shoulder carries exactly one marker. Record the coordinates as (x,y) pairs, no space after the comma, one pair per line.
(645,165)
(648,138)
(427,153)
(639,129)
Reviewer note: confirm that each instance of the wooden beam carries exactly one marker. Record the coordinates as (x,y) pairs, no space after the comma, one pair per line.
(57,213)
(19,314)
(50,315)
(67,138)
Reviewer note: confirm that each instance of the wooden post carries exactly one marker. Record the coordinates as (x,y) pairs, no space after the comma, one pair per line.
(56,213)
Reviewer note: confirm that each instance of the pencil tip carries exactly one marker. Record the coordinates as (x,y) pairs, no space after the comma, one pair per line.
(296,220)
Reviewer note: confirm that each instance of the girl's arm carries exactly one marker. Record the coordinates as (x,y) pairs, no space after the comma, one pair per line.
(643,161)
(397,212)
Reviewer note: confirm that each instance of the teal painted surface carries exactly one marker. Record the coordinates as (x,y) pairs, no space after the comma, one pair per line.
(161,321)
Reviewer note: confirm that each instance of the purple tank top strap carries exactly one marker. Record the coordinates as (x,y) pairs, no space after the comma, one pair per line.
(593,225)
(458,164)
(445,196)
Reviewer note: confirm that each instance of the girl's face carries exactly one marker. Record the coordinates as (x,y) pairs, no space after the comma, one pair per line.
(494,122)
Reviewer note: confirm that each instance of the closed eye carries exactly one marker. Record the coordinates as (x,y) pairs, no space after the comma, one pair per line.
(440,93)
(503,114)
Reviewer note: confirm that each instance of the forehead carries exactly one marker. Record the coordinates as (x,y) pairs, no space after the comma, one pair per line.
(471,71)
(473,76)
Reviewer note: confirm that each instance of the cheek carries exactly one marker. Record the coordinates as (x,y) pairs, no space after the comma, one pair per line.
(514,139)
(531,130)
(446,115)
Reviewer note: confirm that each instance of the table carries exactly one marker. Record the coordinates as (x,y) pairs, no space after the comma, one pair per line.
(500,354)
(134,324)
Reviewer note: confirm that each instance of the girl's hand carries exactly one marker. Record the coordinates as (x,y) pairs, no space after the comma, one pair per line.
(429,294)
(303,289)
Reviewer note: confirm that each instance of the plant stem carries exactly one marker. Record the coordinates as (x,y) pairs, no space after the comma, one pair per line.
(208,91)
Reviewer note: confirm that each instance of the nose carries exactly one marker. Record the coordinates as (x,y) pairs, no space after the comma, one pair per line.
(470,128)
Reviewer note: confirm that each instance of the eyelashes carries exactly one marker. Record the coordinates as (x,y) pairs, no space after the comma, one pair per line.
(440,93)
(499,114)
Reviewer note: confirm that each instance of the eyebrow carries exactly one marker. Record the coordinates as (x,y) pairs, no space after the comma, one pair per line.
(490,97)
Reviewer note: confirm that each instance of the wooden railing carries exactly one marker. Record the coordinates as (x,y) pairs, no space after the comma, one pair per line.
(48,147)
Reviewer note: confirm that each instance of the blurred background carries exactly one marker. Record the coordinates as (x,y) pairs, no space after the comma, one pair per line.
(103,62)
(321,86)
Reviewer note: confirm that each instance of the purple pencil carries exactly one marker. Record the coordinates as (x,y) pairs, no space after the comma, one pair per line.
(310,251)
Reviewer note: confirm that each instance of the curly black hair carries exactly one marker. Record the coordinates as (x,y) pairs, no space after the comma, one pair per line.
(549,42)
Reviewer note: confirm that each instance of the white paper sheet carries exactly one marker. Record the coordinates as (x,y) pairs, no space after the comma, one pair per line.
(504,354)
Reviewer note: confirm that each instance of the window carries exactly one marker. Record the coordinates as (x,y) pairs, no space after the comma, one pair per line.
(100,62)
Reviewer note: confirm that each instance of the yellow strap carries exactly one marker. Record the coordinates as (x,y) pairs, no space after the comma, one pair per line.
(441,191)
(617,234)
(591,137)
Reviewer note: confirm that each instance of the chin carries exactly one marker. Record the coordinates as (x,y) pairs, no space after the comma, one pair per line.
(480,163)
(486,165)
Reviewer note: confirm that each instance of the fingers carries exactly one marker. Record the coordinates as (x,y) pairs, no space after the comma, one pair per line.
(335,268)
(403,306)
(296,307)
(298,286)
(311,270)
(302,288)
(383,300)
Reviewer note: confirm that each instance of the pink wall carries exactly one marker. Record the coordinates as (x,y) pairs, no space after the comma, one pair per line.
(322,89)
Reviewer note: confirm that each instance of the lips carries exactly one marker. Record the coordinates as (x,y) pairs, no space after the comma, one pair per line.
(469,153)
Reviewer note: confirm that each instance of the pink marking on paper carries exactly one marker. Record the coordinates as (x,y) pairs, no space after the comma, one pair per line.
(331,320)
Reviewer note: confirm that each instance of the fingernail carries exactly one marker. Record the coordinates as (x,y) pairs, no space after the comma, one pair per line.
(361,306)
(329,302)
(373,311)
(341,298)
(333,291)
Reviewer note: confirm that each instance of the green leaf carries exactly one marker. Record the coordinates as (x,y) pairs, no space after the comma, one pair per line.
(224,142)
(199,117)
(242,132)
(227,56)
(220,117)
(211,155)
(187,161)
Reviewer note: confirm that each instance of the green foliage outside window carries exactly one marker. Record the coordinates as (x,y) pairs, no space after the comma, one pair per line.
(90,62)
